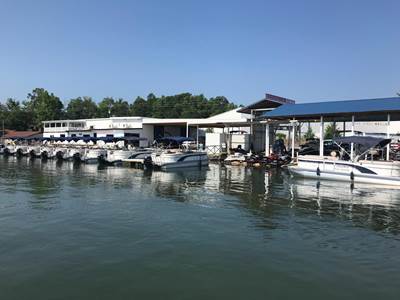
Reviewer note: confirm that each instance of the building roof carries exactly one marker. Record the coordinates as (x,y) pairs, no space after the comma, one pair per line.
(233,118)
(229,117)
(366,109)
(12,134)
(269,102)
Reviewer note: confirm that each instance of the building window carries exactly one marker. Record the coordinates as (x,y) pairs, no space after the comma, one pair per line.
(52,125)
(131,134)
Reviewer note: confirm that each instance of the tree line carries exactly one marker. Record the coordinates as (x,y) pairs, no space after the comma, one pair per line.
(42,105)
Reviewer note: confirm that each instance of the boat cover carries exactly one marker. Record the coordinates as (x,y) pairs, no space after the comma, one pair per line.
(366,142)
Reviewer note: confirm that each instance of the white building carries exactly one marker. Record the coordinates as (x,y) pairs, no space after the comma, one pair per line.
(143,127)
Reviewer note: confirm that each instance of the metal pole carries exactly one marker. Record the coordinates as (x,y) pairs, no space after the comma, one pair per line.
(299,133)
(344,128)
(321,137)
(352,144)
(251,122)
(267,152)
(187,130)
(388,136)
(293,136)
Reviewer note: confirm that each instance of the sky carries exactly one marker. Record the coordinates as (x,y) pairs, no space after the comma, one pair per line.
(309,50)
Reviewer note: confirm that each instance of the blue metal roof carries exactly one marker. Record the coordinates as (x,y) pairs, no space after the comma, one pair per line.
(338,108)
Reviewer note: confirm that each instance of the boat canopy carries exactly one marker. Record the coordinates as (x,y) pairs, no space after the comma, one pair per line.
(81,138)
(366,142)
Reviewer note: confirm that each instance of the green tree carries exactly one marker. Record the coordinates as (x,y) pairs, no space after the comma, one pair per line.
(43,106)
(139,108)
(331,131)
(280,136)
(219,105)
(81,108)
(309,134)
(105,107)
(15,115)
(120,108)
(109,107)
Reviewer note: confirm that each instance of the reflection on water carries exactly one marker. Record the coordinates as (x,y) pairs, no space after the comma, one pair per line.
(224,232)
(261,191)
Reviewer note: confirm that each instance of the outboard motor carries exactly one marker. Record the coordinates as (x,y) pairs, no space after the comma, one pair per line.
(59,155)
(19,153)
(32,154)
(76,157)
(6,151)
(44,155)
(148,162)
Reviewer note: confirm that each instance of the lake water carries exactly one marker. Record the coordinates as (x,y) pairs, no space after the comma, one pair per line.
(83,232)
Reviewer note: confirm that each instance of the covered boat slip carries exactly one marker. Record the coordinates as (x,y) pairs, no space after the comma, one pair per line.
(356,162)
(350,111)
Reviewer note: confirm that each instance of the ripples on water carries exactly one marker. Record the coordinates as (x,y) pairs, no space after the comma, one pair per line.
(232,228)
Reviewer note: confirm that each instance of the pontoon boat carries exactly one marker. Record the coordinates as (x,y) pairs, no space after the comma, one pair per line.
(360,168)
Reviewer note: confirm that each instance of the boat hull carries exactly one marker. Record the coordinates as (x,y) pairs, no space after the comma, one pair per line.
(385,173)
(167,161)
(117,156)
(93,156)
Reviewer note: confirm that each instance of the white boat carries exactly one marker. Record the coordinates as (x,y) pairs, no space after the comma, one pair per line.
(117,156)
(179,159)
(352,170)
(60,153)
(236,157)
(34,151)
(21,150)
(10,149)
(93,155)
(75,154)
(45,152)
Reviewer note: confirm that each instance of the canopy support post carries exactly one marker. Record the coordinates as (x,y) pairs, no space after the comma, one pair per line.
(344,128)
(267,151)
(321,137)
(293,136)
(299,132)
(388,136)
(187,130)
(352,144)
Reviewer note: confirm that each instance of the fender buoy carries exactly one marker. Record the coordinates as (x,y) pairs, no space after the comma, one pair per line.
(318,172)
(352,175)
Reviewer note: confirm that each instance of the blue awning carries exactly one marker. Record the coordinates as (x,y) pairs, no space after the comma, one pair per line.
(367,107)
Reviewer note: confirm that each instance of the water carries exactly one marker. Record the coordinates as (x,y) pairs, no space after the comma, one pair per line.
(84,232)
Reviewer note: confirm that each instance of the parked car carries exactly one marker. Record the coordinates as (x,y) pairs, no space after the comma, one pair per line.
(311,147)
